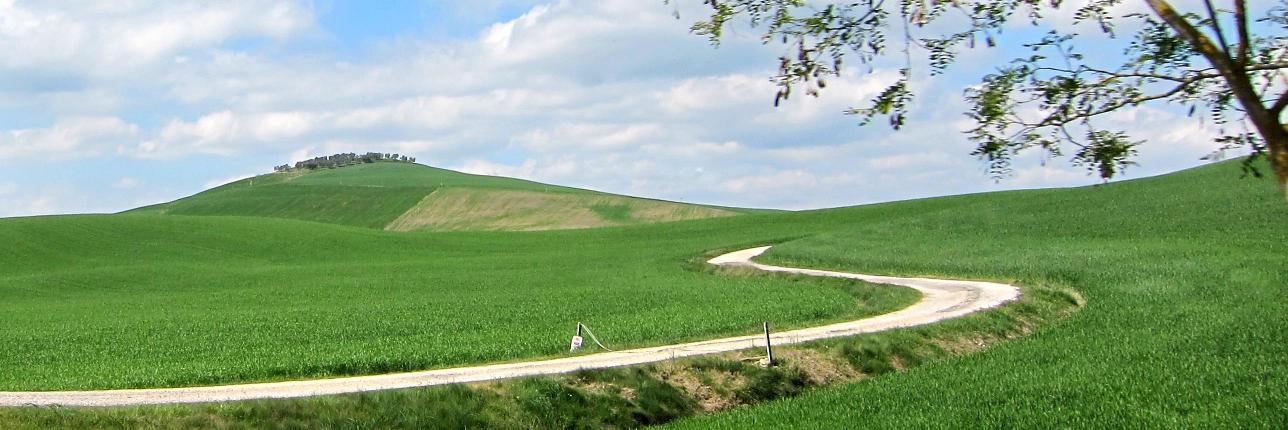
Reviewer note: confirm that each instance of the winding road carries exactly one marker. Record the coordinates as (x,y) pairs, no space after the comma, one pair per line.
(941,299)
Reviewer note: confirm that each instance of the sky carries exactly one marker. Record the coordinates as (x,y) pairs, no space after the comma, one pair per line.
(106,106)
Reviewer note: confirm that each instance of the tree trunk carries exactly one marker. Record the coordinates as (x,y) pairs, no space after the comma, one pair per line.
(1279,164)
(1236,76)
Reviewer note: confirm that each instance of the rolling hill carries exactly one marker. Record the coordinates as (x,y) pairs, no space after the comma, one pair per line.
(404,197)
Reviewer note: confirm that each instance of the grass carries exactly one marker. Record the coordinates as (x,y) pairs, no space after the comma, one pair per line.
(417,175)
(372,207)
(469,208)
(405,197)
(609,398)
(1183,279)
(527,403)
(128,301)
(612,212)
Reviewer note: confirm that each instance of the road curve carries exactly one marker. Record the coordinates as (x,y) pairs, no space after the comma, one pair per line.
(942,299)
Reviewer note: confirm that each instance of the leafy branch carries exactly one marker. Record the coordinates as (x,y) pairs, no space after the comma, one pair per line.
(1213,62)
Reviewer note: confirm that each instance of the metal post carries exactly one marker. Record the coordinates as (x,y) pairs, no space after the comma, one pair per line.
(578,329)
(769,349)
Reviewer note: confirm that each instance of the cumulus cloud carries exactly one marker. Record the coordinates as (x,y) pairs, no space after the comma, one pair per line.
(229,179)
(225,133)
(105,38)
(910,160)
(1049,175)
(68,138)
(485,167)
(44,200)
(553,82)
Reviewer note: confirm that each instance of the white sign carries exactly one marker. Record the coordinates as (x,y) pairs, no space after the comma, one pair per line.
(576,343)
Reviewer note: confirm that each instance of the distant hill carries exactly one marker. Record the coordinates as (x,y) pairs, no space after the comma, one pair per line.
(403,196)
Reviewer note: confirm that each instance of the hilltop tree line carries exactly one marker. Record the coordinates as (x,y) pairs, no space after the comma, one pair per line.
(341,160)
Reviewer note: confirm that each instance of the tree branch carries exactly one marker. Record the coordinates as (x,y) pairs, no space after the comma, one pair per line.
(1279,105)
(1216,27)
(1192,35)
(1110,74)
(1241,24)
(1057,120)
(1235,77)
(1197,74)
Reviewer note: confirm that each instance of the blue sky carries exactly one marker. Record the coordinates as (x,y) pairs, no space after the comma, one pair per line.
(105,107)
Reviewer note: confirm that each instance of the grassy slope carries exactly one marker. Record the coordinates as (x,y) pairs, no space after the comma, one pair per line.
(516,210)
(369,195)
(1187,297)
(395,195)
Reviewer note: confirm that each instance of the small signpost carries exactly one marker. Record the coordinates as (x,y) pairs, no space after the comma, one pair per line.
(576,339)
(769,349)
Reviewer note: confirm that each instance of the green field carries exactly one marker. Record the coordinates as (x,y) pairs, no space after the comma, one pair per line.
(1183,275)
(127,301)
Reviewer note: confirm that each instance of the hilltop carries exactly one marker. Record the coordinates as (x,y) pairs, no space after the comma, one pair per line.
(398,195)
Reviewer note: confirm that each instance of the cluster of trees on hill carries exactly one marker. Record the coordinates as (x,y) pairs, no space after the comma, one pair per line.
(341,160)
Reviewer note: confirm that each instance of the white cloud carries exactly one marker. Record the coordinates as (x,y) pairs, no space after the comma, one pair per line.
(104,39)
(694,149)
(484,167)
(589,136)
(226,133)
(42,200)
(68,138)
(915,160)
(787,179)
(40,205)
(1050,175)
(811,153)
(691,96)
(228,180)
(419,112)
(496,39)
(301,154)
(841,93)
